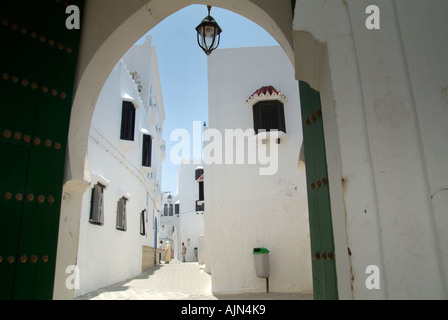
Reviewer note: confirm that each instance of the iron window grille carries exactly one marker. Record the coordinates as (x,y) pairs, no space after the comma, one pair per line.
(269,115)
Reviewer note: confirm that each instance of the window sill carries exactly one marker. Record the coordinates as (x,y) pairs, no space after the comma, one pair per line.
(128,144)
(146,169)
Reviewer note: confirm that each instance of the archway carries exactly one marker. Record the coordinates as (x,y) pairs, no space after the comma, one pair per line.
(107,34)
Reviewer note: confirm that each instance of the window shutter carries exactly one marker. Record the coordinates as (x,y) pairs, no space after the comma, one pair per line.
(121,214)
(127,121)
(269,115)
(96,205)
(142,223)
(201,190)
(147,150)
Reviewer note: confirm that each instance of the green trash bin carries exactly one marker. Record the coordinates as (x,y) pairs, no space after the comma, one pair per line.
(261,258)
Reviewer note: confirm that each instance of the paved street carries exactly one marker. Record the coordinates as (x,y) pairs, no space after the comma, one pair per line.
(177,281)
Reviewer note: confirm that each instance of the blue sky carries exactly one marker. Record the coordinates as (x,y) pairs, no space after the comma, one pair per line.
(183,69)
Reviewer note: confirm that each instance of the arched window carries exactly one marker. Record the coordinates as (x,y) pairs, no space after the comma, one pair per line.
(198,173)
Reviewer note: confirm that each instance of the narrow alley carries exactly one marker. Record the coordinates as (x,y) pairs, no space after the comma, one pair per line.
(177,281)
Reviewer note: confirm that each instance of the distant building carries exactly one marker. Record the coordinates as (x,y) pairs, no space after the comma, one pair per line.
(120,215)
(191,207)
(247,210)
(170,224)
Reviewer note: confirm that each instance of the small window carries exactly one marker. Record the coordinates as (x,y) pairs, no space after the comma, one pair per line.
(165,210)
(199,207)
(171,210)
(146,150)
(142,223)
(198,172)
(127,121)
(201,190)
(97,205)
(176,209)
(269,115)
(121,214)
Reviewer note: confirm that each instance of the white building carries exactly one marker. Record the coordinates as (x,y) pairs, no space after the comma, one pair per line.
(170,225)
(191,207)
(247,210)
(119,220)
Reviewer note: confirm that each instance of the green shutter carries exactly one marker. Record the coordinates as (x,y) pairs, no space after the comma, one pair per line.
(37,70)
(321,230)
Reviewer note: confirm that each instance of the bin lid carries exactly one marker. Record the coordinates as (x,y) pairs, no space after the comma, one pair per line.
(260,250)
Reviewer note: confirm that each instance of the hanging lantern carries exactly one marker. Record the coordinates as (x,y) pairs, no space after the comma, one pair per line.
(208,33)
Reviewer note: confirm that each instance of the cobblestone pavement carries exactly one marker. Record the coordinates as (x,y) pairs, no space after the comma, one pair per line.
(177,281)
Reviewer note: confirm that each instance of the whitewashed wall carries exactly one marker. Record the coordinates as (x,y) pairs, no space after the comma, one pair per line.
(245,209)
(385,93)
(107,255)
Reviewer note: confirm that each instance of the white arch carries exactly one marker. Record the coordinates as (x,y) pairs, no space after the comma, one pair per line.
(109,31)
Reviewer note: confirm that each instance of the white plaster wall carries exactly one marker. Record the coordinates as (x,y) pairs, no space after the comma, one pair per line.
(247,210)
(107,255)
(390,120)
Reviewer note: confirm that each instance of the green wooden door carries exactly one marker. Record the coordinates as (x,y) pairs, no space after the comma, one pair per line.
(321,230)
(37,69)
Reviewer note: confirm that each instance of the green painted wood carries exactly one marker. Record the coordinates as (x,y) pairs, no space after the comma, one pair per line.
(319,207)
(13,173)
(37,70)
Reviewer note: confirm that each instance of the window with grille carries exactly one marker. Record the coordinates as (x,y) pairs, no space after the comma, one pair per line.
(200,206)
(121,214)
(171,210)
(127,121)
(97,205)
(269,115)
(165,210)
(146,150)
